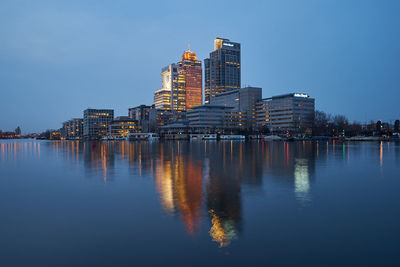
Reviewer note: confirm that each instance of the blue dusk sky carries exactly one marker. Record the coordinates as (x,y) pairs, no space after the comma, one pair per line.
(58,58)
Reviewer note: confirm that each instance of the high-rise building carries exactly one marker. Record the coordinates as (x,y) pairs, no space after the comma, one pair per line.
(96,122)
(168,76)
(172,95)
(190,78)
(168,96)
(181,90)
(172,81)
(222,68)
(292,113)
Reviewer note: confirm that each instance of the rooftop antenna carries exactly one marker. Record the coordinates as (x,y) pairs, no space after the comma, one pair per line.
(189,47)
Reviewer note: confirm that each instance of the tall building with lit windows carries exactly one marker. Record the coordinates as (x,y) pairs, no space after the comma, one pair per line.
(172,95)
(174,81)
(222,69)
(168,96)
(162,99)
(96,123)
(182,89)
(190,78)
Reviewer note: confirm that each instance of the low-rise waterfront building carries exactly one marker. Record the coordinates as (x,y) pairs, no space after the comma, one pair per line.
(121,126)
(290,113)
(141,114)
(96,123)
(7,135)
(159,117)
(207,116)
(72,129)
(234,121)
(177,130)
(55,135)
(214,118)
(243,100)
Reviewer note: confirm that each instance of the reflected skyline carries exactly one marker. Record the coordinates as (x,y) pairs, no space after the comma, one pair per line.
(235,202)
(202,180)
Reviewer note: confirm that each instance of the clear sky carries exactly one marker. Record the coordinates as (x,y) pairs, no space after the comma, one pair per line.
(58,58)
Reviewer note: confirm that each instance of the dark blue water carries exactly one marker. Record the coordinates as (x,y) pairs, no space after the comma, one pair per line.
(209,203)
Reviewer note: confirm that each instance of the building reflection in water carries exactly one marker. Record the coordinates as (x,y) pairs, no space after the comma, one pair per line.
(203,181)
(165,186)
(301,181)
(189,192)
(19,149)
(293,164)
(98,157)
(226,173)
(179,180)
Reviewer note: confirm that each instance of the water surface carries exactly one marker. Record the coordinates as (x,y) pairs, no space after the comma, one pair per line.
(226,203)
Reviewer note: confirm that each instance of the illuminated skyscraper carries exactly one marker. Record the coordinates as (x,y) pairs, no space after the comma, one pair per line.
(190,78)
(168,75)
(222,69)
(182,87)
(166,97)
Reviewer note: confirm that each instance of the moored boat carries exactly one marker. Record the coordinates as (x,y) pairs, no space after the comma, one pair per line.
(142,136)
(232,137)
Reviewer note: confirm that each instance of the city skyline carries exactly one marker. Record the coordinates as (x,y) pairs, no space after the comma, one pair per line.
(59,59)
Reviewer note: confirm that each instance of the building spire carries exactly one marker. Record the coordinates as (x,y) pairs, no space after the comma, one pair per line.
(189,55)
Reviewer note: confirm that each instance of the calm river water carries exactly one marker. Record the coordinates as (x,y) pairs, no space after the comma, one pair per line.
(226,203)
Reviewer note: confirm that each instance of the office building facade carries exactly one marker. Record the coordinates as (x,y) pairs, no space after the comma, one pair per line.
(191,79)
(163,117)
(72,129)
(214,118)
(162,99)
(120,127)
(242,100)
(222,69)
(141,114)
(174,82)
(96,123)
(168,96)
(290,113)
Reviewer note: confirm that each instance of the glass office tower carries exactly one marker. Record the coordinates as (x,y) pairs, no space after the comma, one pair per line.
(222,68)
